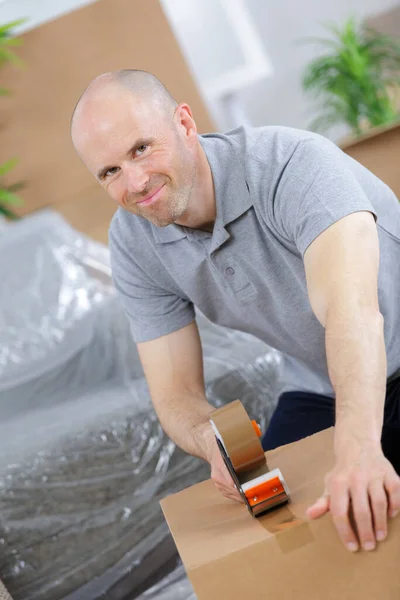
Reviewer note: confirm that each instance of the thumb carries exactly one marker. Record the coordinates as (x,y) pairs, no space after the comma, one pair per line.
(223,480)
(319,508)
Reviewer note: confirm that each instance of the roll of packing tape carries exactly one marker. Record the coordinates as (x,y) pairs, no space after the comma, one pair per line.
(237,434)
(238,439)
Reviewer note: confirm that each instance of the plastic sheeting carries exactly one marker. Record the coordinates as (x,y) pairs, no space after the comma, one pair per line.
(48,299)
(84,461)
(175,586)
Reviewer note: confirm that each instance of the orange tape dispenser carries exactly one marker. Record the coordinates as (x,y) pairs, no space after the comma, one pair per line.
(239,442)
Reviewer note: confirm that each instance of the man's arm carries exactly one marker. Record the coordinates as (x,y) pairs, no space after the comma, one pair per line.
(173,367)
(342,277)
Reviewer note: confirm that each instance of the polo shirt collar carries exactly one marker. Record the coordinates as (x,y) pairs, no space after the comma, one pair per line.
(226,160)
(170,233)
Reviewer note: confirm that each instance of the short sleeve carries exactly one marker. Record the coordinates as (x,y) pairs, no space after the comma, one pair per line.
(152,309)
(317,188)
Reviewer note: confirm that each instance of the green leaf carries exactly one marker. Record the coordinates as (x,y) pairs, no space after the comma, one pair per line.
(318,41)
(4,92)
(333,28)
(351,81)
(8,213)
(9,41)
(8,27)
(16,187)
(324,122)
(9,56)
(8,166)
(7,197)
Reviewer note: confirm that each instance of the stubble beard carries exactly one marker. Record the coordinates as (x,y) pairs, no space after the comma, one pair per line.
(175,207)
(176,204)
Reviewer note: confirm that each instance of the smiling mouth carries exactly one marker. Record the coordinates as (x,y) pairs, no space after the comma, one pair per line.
(150,197)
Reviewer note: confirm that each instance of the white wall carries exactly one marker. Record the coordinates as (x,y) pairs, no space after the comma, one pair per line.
(36,11)
(280,24)
(280,100)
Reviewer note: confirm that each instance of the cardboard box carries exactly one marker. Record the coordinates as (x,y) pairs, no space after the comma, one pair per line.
(281,555)
(378,151)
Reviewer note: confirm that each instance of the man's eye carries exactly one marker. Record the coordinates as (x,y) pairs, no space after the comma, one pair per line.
(109,172)
(141,149)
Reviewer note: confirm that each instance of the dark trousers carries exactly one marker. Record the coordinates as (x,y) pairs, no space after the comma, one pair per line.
(299,414)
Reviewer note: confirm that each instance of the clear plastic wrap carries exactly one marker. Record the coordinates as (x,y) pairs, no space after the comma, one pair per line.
(47,300)
(84,461)
(174,586)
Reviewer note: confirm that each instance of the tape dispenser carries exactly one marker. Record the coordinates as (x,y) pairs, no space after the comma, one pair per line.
(239,442)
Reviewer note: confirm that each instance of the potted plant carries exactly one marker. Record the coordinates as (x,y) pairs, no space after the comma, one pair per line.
(356,80)
(8,197)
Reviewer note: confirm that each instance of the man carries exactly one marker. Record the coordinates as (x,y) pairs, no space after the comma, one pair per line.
(272,231)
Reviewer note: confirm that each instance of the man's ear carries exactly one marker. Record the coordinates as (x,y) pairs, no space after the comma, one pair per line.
(185,121)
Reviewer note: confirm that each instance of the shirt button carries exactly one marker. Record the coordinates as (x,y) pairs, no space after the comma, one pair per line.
(229,270)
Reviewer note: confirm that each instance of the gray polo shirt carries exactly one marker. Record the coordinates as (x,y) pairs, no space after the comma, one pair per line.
(276,190)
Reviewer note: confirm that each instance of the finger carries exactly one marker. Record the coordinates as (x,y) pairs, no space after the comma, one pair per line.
(223,487)
(379,505)
(339,507)
(233,497)
(392,485)
(319,508)
(223,478)
(236,496)
(362,514)
(237,499)
(228,492)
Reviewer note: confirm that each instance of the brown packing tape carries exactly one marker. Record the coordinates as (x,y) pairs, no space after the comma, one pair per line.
(241,441)
(290,531)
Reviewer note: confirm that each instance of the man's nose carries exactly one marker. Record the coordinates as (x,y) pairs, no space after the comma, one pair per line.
(136,179)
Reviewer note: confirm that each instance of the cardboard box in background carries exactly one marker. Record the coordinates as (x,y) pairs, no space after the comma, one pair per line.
(379,151)
(229,555)
(61,57)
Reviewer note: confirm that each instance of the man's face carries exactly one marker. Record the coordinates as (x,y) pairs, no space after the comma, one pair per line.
(140,154)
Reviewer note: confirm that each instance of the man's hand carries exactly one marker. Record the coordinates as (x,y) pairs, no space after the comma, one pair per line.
(365,483)
(219,472)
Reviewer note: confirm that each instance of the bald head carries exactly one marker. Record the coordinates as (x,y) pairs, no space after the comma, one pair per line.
(143,86)
(119,101)
(115,103)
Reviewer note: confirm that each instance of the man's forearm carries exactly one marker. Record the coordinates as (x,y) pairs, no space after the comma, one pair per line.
(357,367)
(185,419)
